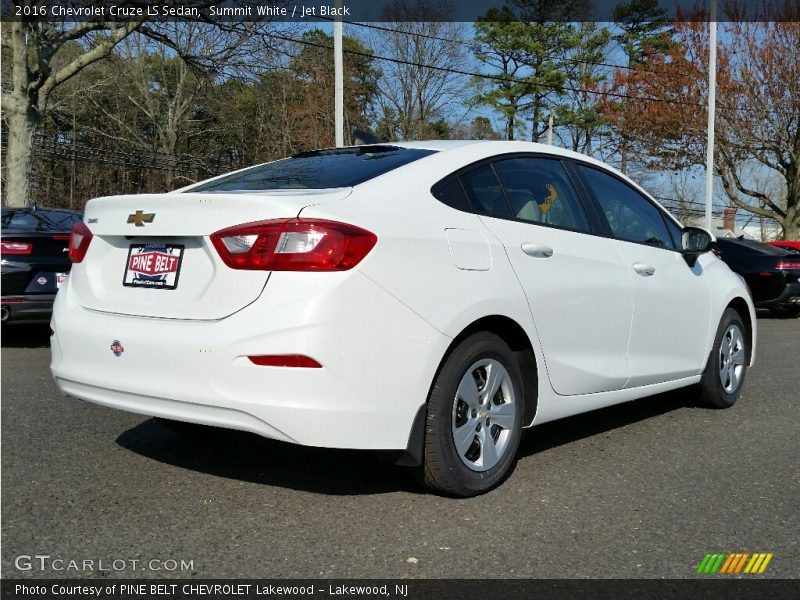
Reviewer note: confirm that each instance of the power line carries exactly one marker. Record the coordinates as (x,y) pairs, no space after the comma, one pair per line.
(640,67)
(486,75)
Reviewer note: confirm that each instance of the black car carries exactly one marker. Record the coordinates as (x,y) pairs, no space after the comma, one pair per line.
(35,260)
(772,273)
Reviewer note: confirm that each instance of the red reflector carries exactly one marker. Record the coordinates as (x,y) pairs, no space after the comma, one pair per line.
(285,360)
(79,241)
(16,247)
(788,265)
(61,238)
(293,245)
(13,301)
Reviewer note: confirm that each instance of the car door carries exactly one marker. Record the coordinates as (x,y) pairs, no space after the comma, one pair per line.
(578,291)
(671,300)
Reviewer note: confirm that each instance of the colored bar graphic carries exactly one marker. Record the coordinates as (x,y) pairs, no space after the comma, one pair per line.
(740,564)
(764,564)
(728,564)
(754,563)
(701,568)
(732,563)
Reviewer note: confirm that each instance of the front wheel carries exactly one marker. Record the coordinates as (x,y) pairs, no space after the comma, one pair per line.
(474,419)
(724,374)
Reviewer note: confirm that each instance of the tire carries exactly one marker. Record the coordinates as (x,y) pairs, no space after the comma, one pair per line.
(460,460)
(786,312)
(724,375)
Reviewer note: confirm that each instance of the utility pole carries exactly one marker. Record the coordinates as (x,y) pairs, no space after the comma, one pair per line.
(550,130)
(712,105)
(338,67)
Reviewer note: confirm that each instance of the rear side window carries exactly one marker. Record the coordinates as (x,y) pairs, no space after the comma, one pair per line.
(630,215)
(452,194)
(318,169)
(538,191)
(485,193)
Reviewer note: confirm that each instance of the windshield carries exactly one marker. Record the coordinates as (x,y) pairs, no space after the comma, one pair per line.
(317,169)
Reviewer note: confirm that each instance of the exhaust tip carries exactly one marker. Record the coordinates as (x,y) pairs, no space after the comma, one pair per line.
(4,313)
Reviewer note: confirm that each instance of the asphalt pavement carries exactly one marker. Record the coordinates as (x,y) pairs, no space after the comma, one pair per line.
(644,489)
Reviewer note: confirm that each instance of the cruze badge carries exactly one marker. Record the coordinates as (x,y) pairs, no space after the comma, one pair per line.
(139,218)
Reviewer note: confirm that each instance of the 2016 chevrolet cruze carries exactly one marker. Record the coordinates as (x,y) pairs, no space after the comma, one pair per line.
(432,298)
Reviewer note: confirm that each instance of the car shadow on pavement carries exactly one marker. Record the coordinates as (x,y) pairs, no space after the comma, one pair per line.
(572,429)
(248,457)
(33,335)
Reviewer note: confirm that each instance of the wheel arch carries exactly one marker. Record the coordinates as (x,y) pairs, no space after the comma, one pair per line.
(513,334)
(740,305)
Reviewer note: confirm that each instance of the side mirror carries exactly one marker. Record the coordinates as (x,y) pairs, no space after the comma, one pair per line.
(696,241)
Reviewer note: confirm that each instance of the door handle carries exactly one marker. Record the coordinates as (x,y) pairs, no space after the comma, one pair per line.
(644,270)
(537,250)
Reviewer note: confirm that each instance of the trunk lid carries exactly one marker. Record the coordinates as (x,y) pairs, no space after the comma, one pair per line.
(151,256)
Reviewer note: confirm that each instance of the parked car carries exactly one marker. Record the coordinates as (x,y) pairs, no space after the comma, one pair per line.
(772,273)
(427,298)
(793,247)
(35,263)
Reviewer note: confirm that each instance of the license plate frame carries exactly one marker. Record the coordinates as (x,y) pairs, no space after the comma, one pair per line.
(161,271)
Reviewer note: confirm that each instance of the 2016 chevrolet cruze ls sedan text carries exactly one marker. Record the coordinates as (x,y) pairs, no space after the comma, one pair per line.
(431,298)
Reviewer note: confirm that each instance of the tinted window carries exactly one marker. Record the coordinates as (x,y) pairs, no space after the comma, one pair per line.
(630,215)
(675,233)
(452,194)
(319,169)
(39,220)
(485,193)
(538,191)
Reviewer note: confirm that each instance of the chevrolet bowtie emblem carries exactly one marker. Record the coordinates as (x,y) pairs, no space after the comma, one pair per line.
(139,218)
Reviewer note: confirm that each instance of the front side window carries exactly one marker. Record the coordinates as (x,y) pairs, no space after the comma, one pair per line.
(317,169)
(629,214)
(539,191)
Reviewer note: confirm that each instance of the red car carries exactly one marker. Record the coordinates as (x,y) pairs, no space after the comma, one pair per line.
(791,246)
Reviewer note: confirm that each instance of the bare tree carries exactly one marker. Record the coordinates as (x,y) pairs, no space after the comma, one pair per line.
(33,48)
(418,88)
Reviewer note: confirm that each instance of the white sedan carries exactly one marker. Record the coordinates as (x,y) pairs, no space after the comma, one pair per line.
(428,298)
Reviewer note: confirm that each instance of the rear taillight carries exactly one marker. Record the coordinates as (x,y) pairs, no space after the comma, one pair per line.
(788,265)
(16,247)
(293,245)
(79,241)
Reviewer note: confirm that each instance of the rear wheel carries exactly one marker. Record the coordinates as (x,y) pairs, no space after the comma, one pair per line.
(474,418)
(786,311)
(725,372)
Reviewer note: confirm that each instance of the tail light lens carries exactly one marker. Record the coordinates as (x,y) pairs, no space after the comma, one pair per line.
(788,265)
(285,360)
(293,245)
(16,247)
(79,241)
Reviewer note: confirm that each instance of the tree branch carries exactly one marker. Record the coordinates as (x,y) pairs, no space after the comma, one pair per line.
(102,50)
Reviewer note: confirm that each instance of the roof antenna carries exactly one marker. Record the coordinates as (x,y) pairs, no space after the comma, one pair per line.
(364,138)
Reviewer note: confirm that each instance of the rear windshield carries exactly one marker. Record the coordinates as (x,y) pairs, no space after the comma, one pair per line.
(39,220)
(318,169)
(745,246)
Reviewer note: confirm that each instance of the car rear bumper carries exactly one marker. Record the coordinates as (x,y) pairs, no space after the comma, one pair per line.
(378,360)
(27,308)
(790,296)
